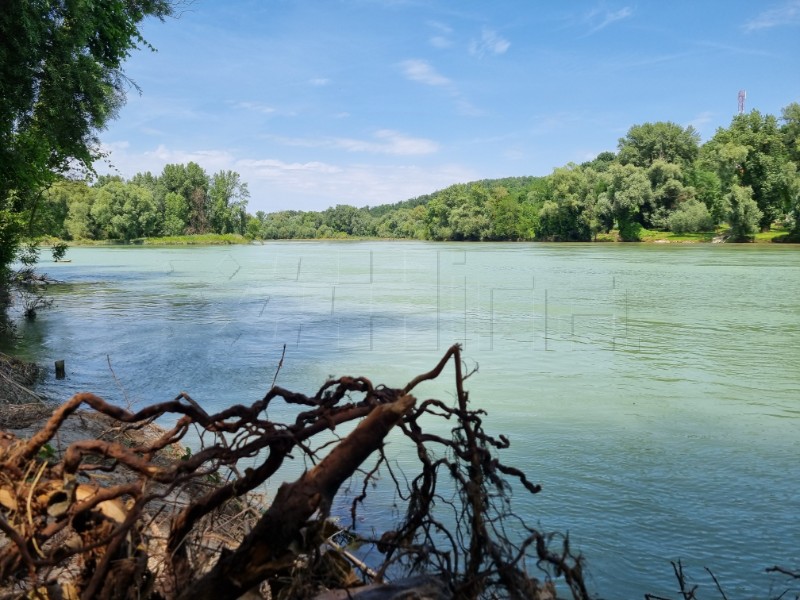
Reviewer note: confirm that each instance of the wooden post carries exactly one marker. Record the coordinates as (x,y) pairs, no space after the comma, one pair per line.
(60,370)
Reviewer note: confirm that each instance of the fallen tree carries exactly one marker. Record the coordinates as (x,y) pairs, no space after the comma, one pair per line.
(109,519)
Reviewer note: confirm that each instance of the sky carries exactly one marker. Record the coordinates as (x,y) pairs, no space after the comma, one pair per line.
(365,102)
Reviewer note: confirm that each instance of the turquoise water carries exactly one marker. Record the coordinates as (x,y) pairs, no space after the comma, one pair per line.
(653,391)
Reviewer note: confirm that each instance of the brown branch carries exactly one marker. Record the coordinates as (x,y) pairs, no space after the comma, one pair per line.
(260,552)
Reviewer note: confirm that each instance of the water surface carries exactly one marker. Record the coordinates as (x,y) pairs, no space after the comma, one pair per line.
(653,391)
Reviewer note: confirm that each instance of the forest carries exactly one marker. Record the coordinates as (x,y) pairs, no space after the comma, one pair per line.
(744,179)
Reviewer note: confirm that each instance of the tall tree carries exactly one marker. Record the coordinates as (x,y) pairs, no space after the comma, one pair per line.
(176,213)
(61,81)
(629,190)
(227,198)
(790,115)
(752,153)
(667,181)
(192,182)
(744,214)
(125,211)
(663,140)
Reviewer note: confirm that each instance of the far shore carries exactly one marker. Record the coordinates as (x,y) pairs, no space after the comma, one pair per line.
(775,235)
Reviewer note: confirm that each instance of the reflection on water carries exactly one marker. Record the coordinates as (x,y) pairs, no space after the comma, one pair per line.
(652,391)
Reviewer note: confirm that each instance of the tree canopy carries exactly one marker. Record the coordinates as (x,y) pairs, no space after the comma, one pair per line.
(61,81)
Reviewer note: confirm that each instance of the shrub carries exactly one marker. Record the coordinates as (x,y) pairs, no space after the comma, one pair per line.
(690,217)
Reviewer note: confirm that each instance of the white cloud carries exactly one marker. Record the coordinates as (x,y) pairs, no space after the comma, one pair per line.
(438,41)
(704,118)
(422,72)
(119,146)
(442,39)
(122,161)
(600,18)
(391,142)
(786,14)
(210,160)
(388,142)
(256,107)
(277,184)
(490,43)
(272,168)
(441,27)
(466,108)
(319,81)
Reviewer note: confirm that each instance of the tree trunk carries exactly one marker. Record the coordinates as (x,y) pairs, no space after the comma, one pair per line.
(264,551)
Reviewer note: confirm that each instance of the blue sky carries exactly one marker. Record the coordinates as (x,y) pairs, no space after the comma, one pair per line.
(364,102)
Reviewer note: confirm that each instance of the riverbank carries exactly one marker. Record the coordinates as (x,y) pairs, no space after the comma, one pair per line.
(204,239)
(17,377)
(775,235)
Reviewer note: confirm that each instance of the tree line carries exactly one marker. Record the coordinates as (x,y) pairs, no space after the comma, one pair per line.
(183,199)
(660,178)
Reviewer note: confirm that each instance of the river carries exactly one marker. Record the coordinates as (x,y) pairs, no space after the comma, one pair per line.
(653,391)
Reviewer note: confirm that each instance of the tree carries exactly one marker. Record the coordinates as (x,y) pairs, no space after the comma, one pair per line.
(191,182)
(342,218)
(79,222)
(505,214)
(663,140)
(49,215)
(61,81)
(124,211)
(227,195)
(790,115)
(176,212)
(708,189)
(569,213)
(791,138)
(752,153)
(743,214)
(669,190)
(691,216)
(629,190)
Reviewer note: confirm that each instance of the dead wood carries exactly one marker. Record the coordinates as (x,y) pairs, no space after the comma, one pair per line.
(111,518)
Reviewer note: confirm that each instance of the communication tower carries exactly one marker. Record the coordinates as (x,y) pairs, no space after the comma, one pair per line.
(742,98)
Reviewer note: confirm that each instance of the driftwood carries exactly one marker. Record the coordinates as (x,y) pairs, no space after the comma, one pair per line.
(81,524)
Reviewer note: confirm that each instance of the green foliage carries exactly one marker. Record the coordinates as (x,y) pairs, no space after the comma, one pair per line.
(629,191)
(667,183)
(176,213)
(790,131)
(630,231)
(753,153)
(228,203)
(570,211)
(61,82)
(659,180)
(692,216)
(124,211)
(743,214)
(11,227)
(665,141)
(59,251)
(46,453)
(203,239)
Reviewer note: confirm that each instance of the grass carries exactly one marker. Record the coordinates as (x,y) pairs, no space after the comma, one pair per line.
(778,233)
(203,239)
(662,237)
(678,238)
